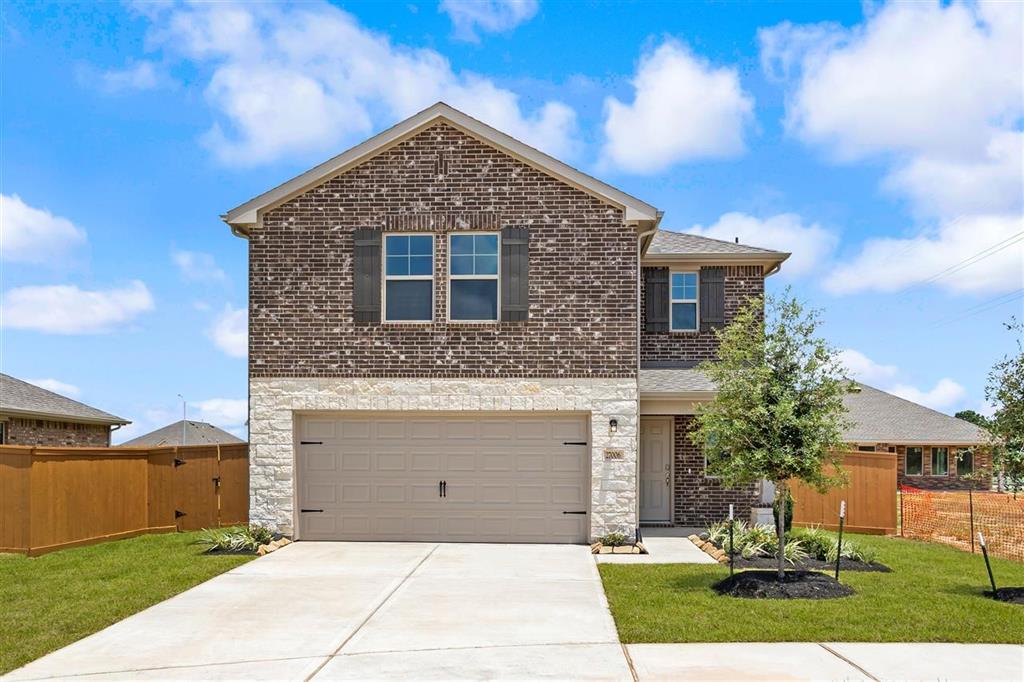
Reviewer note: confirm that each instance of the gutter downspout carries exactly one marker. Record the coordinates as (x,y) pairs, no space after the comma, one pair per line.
(639,283)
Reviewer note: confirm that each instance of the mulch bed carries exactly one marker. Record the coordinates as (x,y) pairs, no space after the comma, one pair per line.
(1013,595)
(796,585)
(812,565)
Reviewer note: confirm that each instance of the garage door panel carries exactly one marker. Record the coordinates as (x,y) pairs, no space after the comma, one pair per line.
(313,429)
(509,478)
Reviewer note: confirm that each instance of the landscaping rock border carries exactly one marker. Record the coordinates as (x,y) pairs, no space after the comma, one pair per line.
(599,548)
(272,546)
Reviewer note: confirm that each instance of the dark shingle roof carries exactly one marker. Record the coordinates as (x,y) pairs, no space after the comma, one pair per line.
(196,433)
(877,416)
(668,243)
(17,396)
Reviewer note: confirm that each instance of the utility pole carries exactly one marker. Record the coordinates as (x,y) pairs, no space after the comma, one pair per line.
(183,417)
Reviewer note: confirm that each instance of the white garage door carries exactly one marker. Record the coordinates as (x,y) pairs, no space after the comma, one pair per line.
(461,478)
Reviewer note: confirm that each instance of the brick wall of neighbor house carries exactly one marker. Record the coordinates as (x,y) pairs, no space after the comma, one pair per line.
(741,283)
(927,481)
(22,431)
(582,320)
(700,500)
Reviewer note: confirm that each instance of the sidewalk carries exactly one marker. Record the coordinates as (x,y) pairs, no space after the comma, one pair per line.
(808,661)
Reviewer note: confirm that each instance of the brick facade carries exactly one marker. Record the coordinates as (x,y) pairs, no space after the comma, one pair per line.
(698,499)
(21,431)
(741,283)
(928,481)
(583,271)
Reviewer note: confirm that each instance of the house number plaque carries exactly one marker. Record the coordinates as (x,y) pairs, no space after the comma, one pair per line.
(614,454)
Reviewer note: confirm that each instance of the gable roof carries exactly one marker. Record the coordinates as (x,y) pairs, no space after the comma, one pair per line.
(877,416)
(19,397)
(244,217)
(196,433)
(667,246)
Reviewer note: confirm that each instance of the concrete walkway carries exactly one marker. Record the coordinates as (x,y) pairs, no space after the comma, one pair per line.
(664,546)
(386,611)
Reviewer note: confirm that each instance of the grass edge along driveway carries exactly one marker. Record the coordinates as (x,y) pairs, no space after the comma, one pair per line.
(55,599)
(932,595)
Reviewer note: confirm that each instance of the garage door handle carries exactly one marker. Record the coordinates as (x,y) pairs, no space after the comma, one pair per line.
(306,511)
(579,512)
(311,442)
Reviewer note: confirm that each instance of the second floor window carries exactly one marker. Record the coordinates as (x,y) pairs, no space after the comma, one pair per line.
(473,277)
(684,301)
(408,278)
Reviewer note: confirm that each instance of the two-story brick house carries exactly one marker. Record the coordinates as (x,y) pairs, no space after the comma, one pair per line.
(454,336)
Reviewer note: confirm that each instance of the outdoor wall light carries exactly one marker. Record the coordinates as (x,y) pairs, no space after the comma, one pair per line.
(613,425)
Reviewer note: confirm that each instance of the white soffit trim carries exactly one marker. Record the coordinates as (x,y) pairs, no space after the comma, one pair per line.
(243,217)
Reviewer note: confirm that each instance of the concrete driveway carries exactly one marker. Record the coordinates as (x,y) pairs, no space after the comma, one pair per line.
(369,611)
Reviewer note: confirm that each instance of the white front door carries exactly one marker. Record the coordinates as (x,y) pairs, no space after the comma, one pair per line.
(656,469)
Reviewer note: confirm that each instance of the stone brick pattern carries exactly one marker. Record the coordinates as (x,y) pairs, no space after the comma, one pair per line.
(272,403)
(929,481)
(741,283)
(698,499)
(22,431)
(583,271)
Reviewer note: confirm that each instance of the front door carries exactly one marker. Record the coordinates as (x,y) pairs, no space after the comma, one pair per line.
(656,469)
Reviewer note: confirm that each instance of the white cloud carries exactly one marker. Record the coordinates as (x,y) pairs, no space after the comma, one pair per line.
(944,396)
(811,245)
(684,109)
(295,79)
(863,368)
(892,264)
(491,16)
(67,309)
(69,390)
(196,266)
(34,235)
(141,75)
(230,332)
(222,412)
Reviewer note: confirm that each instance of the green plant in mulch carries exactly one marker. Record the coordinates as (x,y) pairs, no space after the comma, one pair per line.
(613,540)
(760,541)
(234,539)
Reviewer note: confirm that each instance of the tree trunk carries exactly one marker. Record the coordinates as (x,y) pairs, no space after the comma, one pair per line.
(780,501)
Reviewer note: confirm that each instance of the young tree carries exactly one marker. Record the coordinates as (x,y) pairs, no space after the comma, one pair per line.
(778,414)
(1005,390)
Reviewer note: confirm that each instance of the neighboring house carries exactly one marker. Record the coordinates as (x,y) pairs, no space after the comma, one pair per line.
(453,336)
(933,450)
(30,415)
(184,432)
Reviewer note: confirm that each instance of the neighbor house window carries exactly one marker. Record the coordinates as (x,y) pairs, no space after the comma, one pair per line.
(684,301)
(964,462)
(473,277)
(3,433)
(940,461)
(914,459)
(408,277)
(866,448)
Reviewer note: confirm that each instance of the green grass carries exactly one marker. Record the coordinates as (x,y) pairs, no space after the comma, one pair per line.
(934,594)
(49,601)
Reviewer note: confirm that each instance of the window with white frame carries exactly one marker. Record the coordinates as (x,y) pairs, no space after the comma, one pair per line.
(473,277)
(408,277)
(684,301)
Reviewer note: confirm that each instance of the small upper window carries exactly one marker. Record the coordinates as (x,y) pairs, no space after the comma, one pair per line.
(940,461)
(914,460)
(473,277)
(408,278)
(684,301)
(964,462)
(866,448)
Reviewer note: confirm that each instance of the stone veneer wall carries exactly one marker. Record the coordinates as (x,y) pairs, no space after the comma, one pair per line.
(698,499)
(272,403)
(22,431)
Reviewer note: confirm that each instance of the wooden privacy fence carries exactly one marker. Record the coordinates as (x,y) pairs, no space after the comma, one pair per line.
(870,496)
(54,498)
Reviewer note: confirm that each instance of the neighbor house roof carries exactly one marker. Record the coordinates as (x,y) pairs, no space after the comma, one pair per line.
(877,416)
(196,433)
(243,218)
(667,245)
(21,398)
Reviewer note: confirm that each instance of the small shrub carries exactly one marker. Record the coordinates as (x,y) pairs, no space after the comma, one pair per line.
(234,539)
(752,551)
(613,539)
(794,551)
(816,541)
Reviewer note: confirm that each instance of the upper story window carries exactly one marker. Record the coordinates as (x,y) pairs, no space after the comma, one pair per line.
(683,286)
(473,277)
(408,277)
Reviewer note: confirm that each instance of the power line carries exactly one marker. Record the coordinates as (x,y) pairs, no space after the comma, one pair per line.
(971,260)
(982,307)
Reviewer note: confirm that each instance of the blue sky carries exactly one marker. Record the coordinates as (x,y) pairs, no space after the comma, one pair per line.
(882,144)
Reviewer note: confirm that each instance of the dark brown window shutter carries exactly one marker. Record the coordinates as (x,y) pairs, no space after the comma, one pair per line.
(656,299)
(712,298)
(366,276)
(515,274)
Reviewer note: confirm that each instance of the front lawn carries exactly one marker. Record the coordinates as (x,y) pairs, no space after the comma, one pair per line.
(932,595)
(49,601)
